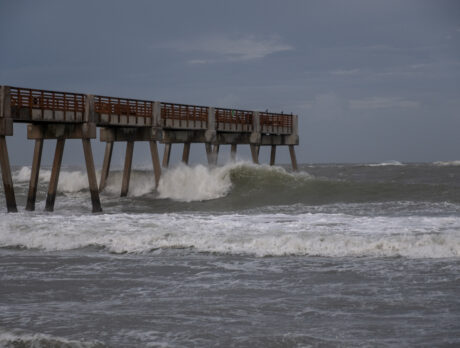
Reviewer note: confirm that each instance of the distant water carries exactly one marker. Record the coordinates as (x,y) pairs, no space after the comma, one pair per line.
(238,255)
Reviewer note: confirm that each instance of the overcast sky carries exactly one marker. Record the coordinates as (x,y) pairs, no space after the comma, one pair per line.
(371,81)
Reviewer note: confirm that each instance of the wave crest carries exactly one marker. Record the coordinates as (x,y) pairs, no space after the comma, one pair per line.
(320,234)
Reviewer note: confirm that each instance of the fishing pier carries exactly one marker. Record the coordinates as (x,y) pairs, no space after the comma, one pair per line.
(64,115)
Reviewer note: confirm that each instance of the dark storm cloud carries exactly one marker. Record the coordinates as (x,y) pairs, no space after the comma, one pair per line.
(371,80)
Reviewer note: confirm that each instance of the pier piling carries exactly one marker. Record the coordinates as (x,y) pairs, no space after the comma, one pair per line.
(186,153)
(233,153)
(127,168)
(6,177)
(106,165)
(52,188)
(155,161)
(91,172)
(293,158)
(272,155)
(167,155)
(34,174)
(255,153)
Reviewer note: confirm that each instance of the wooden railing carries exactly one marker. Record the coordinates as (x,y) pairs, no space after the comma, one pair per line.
(124,107)
(35,105)
(71,105)
(227,117)
(273,122)
(186,115)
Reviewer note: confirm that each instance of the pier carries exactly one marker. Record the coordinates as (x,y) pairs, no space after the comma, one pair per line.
(64,115)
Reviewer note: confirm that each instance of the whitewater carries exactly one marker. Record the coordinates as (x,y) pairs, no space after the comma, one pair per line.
(237,255)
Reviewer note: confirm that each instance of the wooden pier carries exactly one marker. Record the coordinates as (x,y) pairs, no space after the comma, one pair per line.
(64,115)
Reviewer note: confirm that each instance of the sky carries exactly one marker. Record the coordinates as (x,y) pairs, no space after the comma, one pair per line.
(371,81)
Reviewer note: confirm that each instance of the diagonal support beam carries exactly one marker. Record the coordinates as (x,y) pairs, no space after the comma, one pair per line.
(33,183)
(106,165)
(91,171)
(293,158)
(155,161)
(6,177)
(51,197)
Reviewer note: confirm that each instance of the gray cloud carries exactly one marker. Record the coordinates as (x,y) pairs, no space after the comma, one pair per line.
(213,49)
(355,71)
(383,103)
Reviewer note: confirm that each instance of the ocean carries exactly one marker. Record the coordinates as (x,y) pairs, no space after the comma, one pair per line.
(336,255)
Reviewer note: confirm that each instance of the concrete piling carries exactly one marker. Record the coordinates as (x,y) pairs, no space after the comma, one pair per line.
(215,154)
(51,197)
(127,168)
(186,153)
(272,155)
(233,153)
(106,165)
(155,161)
(34,174)
(255,153)
(91,172)
(6,177)
(167,155)
(208,148)
(293,158)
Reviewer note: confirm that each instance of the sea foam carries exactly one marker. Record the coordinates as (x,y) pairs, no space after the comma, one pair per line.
(319,234)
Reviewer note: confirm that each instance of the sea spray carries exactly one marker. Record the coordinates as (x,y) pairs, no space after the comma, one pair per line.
(187,184)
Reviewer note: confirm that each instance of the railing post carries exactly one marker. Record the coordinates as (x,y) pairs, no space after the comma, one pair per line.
(5,101)
(210,134)
(156,121)
(255,135)
(90,114)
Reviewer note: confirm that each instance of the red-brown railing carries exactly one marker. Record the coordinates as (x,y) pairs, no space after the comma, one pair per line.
(35,99)
(230,116)
(272,122)
(187,115)
(72,106)
(123,106)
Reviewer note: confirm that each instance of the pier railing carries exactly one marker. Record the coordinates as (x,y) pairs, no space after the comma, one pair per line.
(184,116)
(234,120)
(50,106)
(34,105)
(122,111)
(275,123)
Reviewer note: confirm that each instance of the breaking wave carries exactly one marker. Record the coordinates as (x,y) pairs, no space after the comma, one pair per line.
(258,234)
(447,163)
(243,185)
(383,164)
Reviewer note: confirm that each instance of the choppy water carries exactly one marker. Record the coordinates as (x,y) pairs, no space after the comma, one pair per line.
(239,255)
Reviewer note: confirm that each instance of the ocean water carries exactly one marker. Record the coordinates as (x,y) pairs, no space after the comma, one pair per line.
(237,256)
